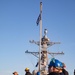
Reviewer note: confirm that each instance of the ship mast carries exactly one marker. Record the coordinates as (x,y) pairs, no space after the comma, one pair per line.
(43,43)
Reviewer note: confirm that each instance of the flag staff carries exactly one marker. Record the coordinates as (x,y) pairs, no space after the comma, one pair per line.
(40,36)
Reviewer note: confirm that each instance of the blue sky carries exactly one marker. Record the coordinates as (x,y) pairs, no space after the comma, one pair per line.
(18,26)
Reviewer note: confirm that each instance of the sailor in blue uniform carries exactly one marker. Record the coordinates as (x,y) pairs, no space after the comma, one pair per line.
(55,67)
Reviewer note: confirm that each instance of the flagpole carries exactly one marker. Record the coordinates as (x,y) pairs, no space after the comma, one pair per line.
(40,36)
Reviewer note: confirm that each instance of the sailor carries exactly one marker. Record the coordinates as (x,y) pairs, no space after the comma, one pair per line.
(55,67)
(15,73)
(27,71)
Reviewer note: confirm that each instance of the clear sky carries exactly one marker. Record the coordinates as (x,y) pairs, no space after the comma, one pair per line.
(18,26)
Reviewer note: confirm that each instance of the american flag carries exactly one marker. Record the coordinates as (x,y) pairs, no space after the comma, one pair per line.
(38,19)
